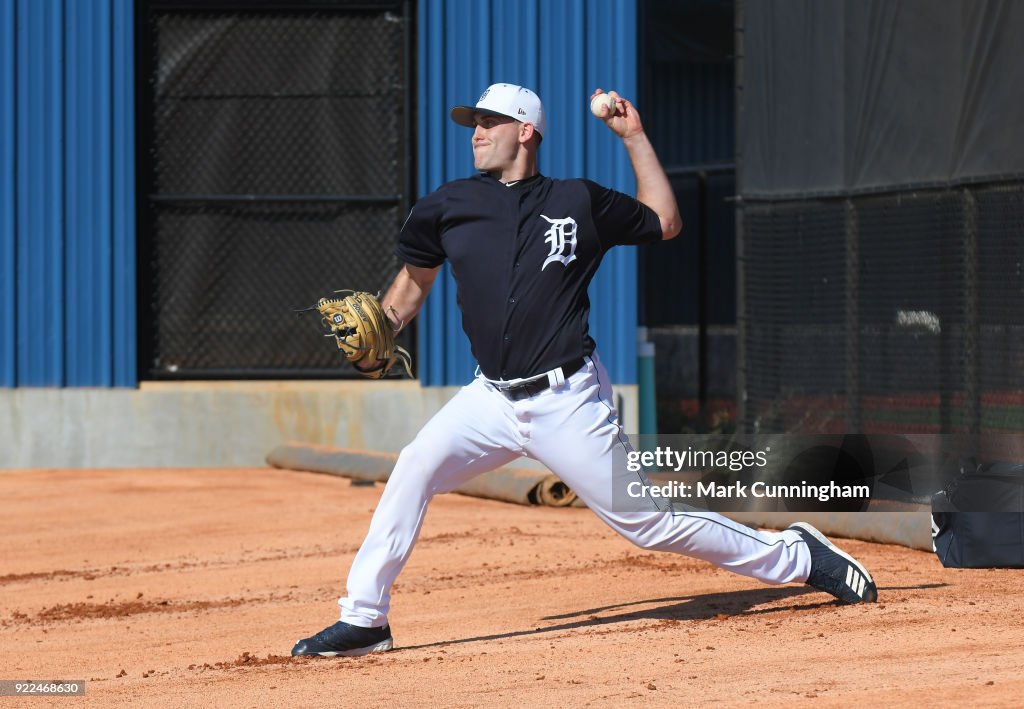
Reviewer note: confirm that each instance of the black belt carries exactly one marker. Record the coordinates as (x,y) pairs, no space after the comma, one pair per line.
(518,392)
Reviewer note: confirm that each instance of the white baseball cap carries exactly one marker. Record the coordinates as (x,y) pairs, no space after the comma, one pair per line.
(509,100)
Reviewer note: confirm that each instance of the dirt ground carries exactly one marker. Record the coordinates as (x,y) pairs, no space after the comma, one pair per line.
(189,587)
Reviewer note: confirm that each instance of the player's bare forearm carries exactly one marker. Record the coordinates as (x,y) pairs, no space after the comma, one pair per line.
(652,185)
(407,293)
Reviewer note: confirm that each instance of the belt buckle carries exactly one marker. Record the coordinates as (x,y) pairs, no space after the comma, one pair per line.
(514,392)
(510,393)
(535,385)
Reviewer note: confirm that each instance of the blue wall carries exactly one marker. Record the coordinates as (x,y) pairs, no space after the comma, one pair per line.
(67,213)
(563,50)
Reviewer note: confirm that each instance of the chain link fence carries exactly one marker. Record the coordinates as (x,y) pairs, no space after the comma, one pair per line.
(885,313)
(278,146)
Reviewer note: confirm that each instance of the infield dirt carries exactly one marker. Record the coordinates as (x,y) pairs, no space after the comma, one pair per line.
(189,587)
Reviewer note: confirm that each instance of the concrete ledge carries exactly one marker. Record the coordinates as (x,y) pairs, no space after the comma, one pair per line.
(213,424)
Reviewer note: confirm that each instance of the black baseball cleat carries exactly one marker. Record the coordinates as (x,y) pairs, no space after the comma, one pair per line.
(834,571)
(345,640)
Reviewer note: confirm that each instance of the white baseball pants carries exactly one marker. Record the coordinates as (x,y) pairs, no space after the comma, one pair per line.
(572,429)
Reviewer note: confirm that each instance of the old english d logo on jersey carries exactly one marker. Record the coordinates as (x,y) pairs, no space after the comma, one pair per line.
(561,236)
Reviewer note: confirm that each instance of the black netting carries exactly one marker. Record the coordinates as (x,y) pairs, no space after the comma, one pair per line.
(1000,292)
(232,275)
(911,331)
(259,103)
(277,139)
(891,313)
(794,260)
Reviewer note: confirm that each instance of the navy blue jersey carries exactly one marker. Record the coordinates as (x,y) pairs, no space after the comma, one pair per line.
(522,258)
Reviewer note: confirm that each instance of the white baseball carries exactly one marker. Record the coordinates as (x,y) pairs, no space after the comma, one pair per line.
(599,102)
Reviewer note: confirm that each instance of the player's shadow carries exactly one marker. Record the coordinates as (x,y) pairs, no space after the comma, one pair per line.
(703,607)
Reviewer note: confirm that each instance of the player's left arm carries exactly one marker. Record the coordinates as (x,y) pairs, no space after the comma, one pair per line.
(652,185)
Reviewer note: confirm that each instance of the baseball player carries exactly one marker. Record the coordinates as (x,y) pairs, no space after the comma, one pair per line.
(523,249)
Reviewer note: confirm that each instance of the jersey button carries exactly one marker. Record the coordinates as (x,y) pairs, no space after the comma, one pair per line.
(508,338)
(517,264)
(512,300)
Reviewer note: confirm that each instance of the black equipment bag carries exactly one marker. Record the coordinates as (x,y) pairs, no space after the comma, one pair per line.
(978,519)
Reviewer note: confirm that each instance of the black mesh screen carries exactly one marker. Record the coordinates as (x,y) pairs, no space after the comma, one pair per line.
(911,334)
(794,305)
(893,313)
(1000,318)
(278,171)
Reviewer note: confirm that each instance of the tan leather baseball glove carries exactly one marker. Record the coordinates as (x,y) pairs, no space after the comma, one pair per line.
(363,333)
